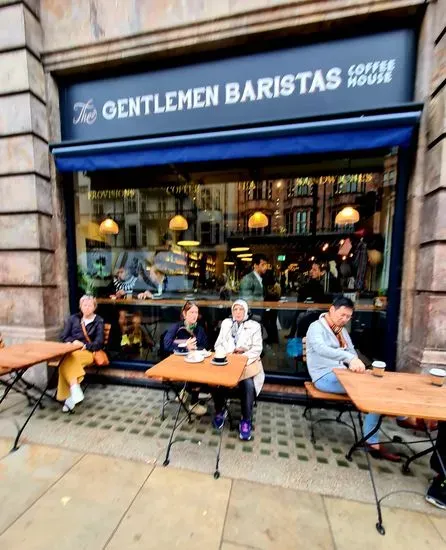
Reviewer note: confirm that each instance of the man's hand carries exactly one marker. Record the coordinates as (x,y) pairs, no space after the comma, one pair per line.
(356,365)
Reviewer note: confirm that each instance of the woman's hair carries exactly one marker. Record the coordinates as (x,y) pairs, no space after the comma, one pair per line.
(187,306)
(87,297)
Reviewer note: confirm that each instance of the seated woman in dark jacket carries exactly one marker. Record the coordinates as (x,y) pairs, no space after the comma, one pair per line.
(187,334)
(72,369)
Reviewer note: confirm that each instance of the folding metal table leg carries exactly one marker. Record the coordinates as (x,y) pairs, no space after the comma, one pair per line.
(9,387)
(42,395)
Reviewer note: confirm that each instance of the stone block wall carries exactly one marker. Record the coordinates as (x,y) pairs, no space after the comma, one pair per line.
(422,342)
(30,292)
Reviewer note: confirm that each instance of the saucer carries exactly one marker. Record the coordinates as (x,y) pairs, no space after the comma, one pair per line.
(219,364)
(205,353)
(177,352)
(193,360)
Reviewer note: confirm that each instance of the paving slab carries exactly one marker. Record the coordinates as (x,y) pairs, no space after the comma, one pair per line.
(5,446)
(271,517)
(26,474)
(82,509)
(175,509)
(230,546)
(353,526)
(440,525)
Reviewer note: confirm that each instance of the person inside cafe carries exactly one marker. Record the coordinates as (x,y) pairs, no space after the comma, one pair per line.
(329,346)
(122,285)
(241,335)
(86,328)
(313,289)
(154,280)
(188,335)
(251,286)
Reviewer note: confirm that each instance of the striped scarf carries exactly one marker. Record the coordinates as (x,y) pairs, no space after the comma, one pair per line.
(127,285)
(337,331)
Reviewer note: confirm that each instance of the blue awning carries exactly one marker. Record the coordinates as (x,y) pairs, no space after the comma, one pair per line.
(343,135)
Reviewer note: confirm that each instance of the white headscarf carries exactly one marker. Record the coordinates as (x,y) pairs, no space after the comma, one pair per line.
(245,307)
(236,326)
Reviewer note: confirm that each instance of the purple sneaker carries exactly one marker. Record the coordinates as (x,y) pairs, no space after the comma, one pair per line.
(219,420)
(245,428)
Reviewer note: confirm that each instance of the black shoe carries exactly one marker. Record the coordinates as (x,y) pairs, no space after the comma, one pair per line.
(382,454)
(436,494)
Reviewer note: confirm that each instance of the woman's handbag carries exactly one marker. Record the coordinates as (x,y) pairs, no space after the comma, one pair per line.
(99,357)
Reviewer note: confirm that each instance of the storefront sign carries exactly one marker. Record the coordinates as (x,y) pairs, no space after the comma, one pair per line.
(112,194)
(350,75)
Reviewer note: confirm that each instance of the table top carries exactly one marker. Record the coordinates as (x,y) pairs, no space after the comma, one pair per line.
(175,368)
(279,306)
(27,354)
(395,394)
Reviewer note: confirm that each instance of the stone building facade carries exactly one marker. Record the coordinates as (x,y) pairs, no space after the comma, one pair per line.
(43,41)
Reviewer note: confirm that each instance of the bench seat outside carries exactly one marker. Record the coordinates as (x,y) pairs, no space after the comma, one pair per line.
(314,393)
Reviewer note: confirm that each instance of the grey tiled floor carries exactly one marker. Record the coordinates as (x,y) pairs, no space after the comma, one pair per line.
(126,422)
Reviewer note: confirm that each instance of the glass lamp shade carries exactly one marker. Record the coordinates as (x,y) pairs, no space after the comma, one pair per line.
(109,227)
(346,216)
(257,220)
(178,223)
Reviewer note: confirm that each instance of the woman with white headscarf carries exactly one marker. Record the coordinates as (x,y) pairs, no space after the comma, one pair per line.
(240,334)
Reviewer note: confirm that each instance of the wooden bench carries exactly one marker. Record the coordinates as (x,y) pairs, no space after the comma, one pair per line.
(325,400)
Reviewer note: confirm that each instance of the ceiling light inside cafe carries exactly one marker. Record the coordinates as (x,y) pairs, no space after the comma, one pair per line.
(109,227)
(188,243)
(240,249)
(246,259)
(245,255)
(178,223)
(258,220)
(346,216)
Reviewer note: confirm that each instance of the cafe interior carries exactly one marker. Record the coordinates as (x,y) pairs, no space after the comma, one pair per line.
(168,234)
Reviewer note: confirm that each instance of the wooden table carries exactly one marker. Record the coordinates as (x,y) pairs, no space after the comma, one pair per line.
(175,369)
(18,358)
(394,394)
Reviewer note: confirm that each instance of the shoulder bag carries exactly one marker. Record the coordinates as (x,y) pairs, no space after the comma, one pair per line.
(99,357)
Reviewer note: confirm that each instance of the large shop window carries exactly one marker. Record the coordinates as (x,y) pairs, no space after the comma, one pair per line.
(149,239)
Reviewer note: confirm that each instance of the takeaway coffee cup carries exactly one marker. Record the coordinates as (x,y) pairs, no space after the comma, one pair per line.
(437,376)
(378,368)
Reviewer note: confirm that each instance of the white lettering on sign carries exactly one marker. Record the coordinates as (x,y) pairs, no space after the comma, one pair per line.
(371,73)
(84,113)
(267,88)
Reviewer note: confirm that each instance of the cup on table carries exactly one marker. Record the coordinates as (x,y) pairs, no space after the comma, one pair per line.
(438,376)
(378,368)
(220,357)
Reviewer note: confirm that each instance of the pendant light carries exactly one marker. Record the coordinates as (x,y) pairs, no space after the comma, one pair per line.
(347,216)
(258,220)
(188,243)
(240,249)
(178,223)
(109,227)
(228,261)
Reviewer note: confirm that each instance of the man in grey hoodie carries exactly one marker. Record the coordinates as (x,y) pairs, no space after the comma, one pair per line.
(329,346)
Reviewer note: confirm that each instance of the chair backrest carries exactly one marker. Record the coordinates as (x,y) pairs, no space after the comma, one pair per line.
(107,329)
(304,349)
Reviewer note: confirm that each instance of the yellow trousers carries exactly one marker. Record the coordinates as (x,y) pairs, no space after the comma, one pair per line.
(72,368)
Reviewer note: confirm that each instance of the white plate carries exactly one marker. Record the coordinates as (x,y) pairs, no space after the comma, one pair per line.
(219,364)
(176,352)
(206,353)
(189,360)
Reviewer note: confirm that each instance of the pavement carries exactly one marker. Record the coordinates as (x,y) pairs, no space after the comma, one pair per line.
(95,480)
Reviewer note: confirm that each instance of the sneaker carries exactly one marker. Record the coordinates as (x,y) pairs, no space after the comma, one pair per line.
(77,395)
(219,420)
(436,494)
(197,409)
(245,428)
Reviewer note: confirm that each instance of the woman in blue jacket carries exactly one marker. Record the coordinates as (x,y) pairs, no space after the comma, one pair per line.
(188,334)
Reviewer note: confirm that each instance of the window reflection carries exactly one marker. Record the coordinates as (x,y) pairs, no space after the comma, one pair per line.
(144,273)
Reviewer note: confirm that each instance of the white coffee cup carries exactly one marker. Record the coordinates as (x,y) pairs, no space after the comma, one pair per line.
(378,368)
(437,376)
